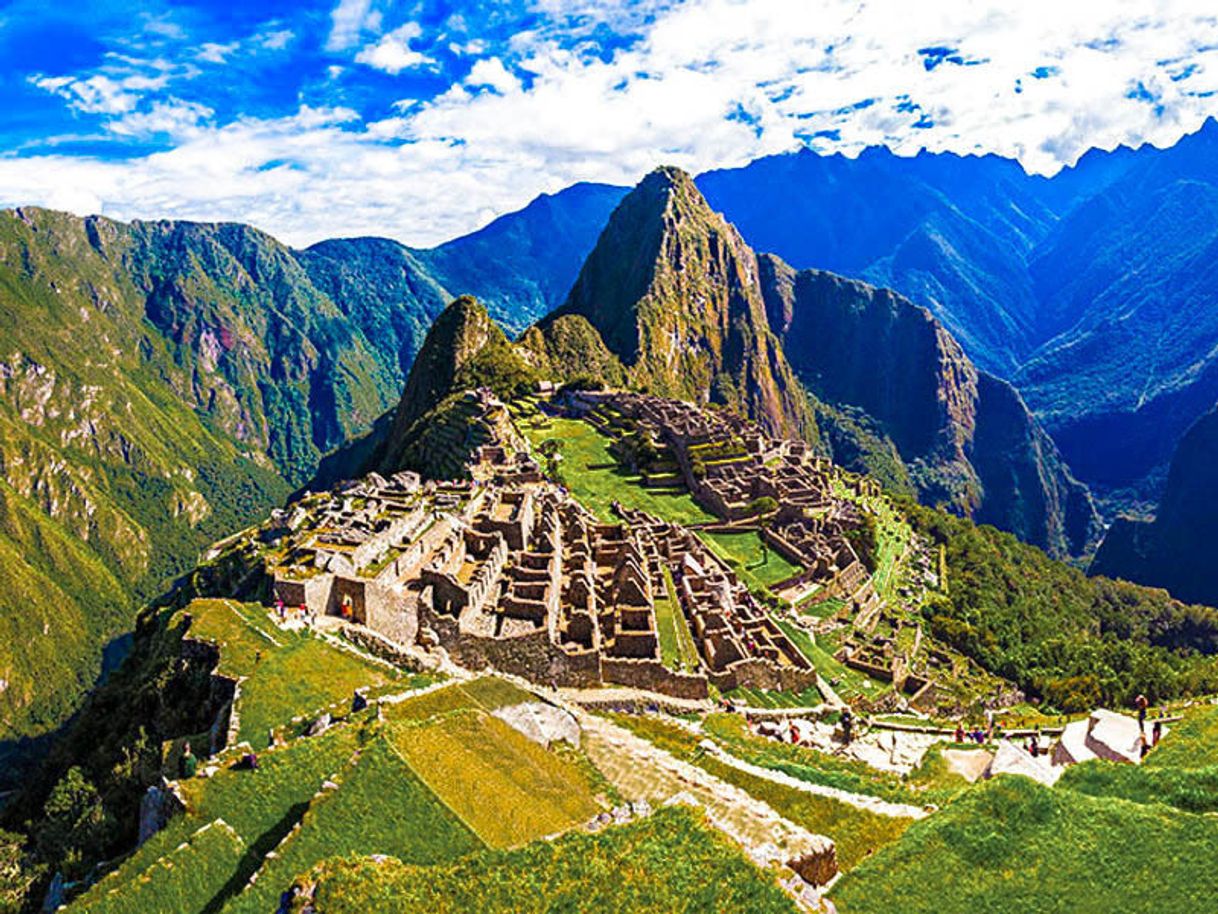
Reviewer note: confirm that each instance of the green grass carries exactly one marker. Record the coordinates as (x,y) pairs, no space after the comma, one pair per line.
(669,863)
(487,693)
(1189,743)
(922,787)
(594,478)
(380,807)
(677,648)
(764,698)
(857,832)
(287,673)
(1013,845)
(1182,771)
(183,880)
(757,566)
(506,788)
(850,683)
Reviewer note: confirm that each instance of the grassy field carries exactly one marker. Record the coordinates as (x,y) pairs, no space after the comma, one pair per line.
(677,648)
(1012,845)
(487,693)
(849,683)
(594,478)
(505,787)
(1182,771)
(857,832)
(259,806)
(287,673)
(815,767)
(758,567)
(379,807)
(669,863)
(764,698)
(183,880)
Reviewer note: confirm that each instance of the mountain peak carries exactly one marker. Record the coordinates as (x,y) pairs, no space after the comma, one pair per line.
(672,289)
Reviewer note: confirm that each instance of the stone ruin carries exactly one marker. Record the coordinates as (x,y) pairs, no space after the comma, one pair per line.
(506,570)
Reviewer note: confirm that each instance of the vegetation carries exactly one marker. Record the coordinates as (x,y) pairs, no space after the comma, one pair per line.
(594,478)
(1071,640)
(757,564)
(1011,844)
(506,788)
(856,831)
(284,673)
(669,862)
(379,806)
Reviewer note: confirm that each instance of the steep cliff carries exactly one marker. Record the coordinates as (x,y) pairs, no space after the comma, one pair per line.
(672,290)
(1175,550)
(965,437)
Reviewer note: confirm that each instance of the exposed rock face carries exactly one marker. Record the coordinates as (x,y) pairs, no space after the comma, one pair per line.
(966,437)
(1176,549)
(672,289)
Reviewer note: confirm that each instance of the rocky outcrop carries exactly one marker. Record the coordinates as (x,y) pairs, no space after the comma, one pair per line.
(965,437)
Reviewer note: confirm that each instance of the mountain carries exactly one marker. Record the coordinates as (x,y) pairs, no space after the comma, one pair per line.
(1128,286)
(522,265)
(966,439)
(434,428)
(1175,549)
(162,383)
(671,288)
(951,232)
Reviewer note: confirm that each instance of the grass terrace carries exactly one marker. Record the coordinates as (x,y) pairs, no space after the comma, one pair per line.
(856,831)
(677,648)
(759,567)
(668,863)
(380,806)
(285,673)
(596,480)
(504,787)
(1013,845)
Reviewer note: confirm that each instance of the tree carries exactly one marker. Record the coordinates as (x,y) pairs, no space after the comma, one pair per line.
(75,826)
(763,505)
(16,876)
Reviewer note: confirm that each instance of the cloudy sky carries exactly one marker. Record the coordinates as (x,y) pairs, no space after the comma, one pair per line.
(422,121)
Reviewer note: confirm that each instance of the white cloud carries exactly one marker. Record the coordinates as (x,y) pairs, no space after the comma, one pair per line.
(212,52)
(491,72)
(275,40)
(707,83)
(172,116)
(393,53)
(348,20)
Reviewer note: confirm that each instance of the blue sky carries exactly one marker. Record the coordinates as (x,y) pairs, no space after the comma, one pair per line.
(421,121)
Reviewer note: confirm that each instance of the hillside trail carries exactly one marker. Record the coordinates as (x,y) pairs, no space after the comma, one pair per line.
(643,771)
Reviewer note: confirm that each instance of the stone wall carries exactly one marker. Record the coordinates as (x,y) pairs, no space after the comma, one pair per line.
(655,677)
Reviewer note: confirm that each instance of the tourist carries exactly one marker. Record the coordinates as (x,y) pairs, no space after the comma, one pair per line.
(959,732)
(1141,704)
(847,726)
(187,763)
(358,701)
(281,610)
(1156,733)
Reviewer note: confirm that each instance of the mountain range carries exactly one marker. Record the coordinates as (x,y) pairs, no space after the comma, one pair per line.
(164,383)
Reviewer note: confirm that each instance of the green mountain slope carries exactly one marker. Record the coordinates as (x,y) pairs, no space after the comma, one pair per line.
(161,384)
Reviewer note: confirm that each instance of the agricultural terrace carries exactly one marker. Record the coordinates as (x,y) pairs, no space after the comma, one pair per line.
(856,832)
(504,787)
(669,863)
(595,479)
(1013,845)
(284,673)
